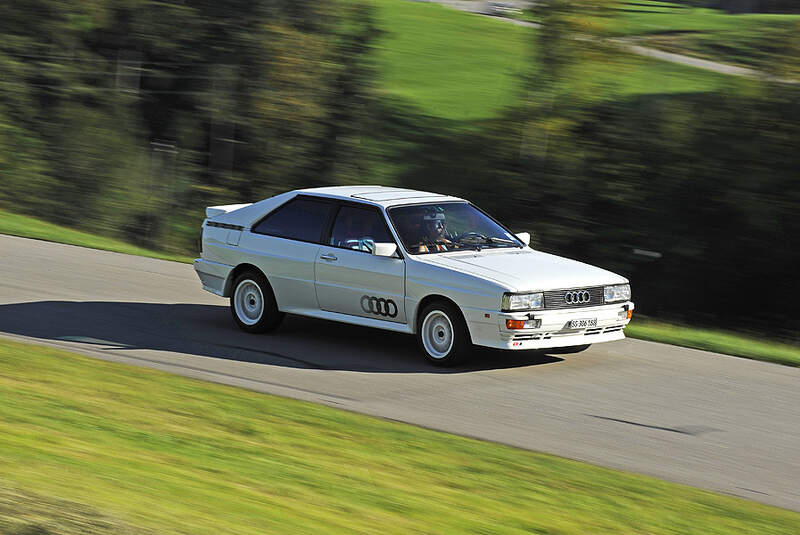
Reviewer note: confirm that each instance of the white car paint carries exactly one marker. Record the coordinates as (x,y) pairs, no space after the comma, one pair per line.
(526,269)
(328,282)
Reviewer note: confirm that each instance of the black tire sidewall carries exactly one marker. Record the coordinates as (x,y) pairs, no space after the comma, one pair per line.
(461,338)
(271,317)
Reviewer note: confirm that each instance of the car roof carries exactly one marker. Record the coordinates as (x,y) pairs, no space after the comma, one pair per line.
(380,195)
(247,215)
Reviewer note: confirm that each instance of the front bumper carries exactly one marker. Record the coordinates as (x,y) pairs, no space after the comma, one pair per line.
(552,327)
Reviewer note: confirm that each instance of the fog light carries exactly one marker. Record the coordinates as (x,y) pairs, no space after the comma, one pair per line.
(533,323)
(515,324)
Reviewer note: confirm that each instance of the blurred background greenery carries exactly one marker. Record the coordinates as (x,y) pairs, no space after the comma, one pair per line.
(126,118)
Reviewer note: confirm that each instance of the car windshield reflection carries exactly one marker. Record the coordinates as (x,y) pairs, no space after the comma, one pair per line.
(443,227)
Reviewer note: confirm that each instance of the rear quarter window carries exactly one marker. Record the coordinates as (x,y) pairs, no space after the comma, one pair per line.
(299,219)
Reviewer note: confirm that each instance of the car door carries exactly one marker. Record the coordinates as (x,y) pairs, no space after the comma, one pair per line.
(349,278)
(285,245)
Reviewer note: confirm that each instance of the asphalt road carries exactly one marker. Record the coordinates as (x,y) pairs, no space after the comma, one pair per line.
(707,420)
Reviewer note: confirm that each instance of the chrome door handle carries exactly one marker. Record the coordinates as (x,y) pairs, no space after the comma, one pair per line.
(328,256)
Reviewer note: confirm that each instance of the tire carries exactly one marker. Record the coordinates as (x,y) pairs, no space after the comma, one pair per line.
(442,334)
(253,303)
(567,350)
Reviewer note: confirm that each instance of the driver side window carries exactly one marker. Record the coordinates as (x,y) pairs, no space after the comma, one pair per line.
(359,229)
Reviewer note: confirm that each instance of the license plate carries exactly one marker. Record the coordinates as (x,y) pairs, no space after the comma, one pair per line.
(583,324)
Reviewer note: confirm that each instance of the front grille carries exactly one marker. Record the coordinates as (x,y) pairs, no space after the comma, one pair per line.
(555,299)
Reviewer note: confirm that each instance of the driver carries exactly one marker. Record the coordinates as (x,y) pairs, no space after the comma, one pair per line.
(434,228)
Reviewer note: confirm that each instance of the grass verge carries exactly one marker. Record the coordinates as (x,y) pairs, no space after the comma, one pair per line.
(29,227)
(714,340)
(173,455)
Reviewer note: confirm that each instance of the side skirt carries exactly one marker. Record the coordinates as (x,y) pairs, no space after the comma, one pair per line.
(353,320)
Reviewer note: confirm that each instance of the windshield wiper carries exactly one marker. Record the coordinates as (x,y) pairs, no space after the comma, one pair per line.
(470,237)
(502,240)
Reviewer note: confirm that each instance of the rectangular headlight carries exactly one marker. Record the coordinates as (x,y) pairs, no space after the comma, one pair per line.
(618,292)
(513,302)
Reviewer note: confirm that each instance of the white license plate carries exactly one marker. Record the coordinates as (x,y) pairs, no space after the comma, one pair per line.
(583,324)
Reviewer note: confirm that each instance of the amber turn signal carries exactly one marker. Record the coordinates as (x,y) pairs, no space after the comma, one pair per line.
(515,324)
(630,314)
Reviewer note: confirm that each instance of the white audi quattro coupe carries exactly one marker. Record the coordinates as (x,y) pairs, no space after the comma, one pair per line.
(409,261)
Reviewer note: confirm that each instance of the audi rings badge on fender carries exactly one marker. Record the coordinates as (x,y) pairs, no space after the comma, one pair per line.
(577,298)
(378,306)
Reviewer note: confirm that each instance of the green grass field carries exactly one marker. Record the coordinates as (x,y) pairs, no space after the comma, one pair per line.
(463,67)
(447,63)
(137,449)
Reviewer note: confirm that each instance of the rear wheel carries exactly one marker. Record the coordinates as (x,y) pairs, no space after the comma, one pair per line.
(253,303)
(442,334)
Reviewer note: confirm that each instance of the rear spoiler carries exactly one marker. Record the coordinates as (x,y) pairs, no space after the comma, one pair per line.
(213,211)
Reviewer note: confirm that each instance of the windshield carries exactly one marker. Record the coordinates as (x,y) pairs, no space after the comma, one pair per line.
(437,228)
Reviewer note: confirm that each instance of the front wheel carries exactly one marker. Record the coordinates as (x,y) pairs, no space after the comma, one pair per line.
(253,303)
(442,334)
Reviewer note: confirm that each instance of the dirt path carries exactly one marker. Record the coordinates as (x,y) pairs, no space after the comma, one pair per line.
(699,63)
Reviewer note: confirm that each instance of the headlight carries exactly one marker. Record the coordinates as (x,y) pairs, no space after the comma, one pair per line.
(512,302)
(618,292)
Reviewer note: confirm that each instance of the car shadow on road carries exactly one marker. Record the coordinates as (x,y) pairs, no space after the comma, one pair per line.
(209,331)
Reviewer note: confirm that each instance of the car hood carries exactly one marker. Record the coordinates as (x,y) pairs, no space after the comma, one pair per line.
(526,269)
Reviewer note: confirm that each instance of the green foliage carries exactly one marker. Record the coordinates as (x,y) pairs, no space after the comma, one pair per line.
(568,34)
(129,111)
(172,455)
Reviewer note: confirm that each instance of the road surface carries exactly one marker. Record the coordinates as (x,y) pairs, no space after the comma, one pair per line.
(706,420)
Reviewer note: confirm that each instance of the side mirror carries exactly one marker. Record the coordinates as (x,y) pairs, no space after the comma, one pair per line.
(384,249)
(524,237)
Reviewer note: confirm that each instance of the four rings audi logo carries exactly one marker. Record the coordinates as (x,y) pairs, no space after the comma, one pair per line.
(577,297)
(378,306)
